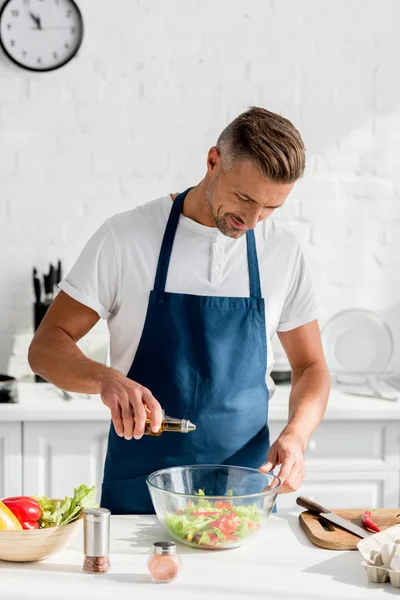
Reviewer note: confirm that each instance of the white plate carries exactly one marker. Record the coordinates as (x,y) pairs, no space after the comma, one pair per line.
(357,341)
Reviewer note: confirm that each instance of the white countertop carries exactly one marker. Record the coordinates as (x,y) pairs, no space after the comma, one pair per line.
(41,402)
(280,564)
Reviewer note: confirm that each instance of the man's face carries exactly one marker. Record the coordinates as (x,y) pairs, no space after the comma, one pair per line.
(241,197)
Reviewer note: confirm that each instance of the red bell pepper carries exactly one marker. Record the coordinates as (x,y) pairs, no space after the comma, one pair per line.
(366,520)
(30,525)
(26,509)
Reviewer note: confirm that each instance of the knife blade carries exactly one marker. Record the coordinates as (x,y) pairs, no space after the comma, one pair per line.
(52,276)
(317,509)
(59,272)
(36,286)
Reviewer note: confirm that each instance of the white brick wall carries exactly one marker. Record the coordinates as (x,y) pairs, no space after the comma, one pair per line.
(134,115)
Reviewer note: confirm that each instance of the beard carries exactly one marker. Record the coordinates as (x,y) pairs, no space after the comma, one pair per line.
(221,222)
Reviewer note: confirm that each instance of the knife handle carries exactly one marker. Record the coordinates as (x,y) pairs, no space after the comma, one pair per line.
(311,506)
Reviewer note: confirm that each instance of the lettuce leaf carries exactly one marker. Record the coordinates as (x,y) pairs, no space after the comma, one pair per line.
(197,528)
(61,512)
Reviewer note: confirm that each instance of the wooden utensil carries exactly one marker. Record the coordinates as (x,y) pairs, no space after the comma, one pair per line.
(326,535)
(332,517)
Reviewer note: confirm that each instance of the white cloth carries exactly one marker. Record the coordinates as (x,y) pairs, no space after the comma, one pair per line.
(116,270)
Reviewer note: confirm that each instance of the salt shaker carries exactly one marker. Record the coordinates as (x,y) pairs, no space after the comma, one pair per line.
(96,534)
(164,563)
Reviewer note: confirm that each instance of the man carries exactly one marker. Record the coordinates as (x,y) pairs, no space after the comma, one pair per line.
(194,286)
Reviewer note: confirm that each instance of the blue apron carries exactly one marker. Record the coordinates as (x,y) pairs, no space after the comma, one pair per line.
(204,358)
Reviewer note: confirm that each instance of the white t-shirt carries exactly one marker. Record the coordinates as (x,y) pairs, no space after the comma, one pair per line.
(116,270)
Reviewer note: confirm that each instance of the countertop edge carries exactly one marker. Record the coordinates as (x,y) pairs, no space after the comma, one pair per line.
(41,402)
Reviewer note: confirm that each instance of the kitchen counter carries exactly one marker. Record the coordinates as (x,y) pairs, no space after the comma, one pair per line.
(280,564)
(41,402)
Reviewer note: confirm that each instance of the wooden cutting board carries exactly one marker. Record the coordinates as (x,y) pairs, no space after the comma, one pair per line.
(324,534)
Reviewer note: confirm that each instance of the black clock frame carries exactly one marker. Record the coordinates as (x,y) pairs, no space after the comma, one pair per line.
(62,64)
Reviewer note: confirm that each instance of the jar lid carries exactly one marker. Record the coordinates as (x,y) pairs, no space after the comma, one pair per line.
(96,514)
(164,547)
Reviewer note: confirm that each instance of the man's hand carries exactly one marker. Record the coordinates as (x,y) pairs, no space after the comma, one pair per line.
(128,400)
(288,452)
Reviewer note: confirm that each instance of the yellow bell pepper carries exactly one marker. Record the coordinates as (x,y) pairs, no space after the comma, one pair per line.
(7,519)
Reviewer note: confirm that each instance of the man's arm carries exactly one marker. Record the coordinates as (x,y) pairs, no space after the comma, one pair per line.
(55,356)
(307,403)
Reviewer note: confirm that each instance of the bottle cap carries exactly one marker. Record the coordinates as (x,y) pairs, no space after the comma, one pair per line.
(96,514)
(96,523)
(187,426)
(164,547)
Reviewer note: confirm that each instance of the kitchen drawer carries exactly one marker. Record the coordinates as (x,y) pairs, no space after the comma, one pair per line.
(346,490)
(60,456)
(10,460)
(348,446)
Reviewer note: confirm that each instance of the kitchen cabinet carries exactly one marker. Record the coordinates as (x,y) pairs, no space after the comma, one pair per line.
(10,459)
(59,457)
(347,490)
(349,465)
(49,446)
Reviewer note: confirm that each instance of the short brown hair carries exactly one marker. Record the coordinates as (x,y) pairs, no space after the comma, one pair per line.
(268,140)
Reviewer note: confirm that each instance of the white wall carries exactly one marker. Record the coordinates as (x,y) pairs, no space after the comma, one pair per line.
(133,116)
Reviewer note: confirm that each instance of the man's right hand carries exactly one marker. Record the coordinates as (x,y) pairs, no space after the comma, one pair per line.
(128,401)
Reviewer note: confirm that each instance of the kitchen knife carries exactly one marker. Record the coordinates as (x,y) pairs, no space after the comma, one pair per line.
(52,278)
(59,272)
(317,509)
(36,286)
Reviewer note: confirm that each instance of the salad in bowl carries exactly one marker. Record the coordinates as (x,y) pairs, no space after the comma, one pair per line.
(213,506)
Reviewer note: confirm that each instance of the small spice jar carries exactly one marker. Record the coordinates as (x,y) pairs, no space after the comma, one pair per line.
(96,539)
(164,563)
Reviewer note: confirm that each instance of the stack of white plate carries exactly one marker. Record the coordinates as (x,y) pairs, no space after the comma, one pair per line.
(358,348)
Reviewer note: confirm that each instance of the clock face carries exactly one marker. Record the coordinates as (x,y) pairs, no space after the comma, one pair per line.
(40,35)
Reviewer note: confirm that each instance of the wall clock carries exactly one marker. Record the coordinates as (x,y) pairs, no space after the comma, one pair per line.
(40,35)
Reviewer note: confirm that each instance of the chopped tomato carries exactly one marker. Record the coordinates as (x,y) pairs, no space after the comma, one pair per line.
(209,513)
(226,525)
(220,504)
(213,539)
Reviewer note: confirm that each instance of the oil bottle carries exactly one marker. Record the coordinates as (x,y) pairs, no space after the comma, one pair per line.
(169,424)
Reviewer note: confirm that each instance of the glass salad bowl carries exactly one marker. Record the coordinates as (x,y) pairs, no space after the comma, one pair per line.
(213,506)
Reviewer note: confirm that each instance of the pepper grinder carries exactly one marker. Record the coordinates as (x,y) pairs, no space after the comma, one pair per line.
(96,532)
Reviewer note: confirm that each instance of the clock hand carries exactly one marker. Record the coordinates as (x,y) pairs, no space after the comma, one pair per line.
(34,18)
(37,21)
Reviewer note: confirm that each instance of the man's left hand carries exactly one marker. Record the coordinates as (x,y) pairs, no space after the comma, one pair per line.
(288,452)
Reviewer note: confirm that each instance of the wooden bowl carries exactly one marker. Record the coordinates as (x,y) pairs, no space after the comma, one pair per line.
(35,544)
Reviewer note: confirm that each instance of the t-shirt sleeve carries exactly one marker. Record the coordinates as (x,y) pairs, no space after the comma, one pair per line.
(93,280)
(300,306)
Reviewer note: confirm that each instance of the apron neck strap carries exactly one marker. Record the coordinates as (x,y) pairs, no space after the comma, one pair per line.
(254,273)
(168,241)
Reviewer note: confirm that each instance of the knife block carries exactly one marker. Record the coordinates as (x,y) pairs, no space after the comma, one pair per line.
(39,311)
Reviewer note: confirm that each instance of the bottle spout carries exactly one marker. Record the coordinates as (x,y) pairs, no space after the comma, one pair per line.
(187,426)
